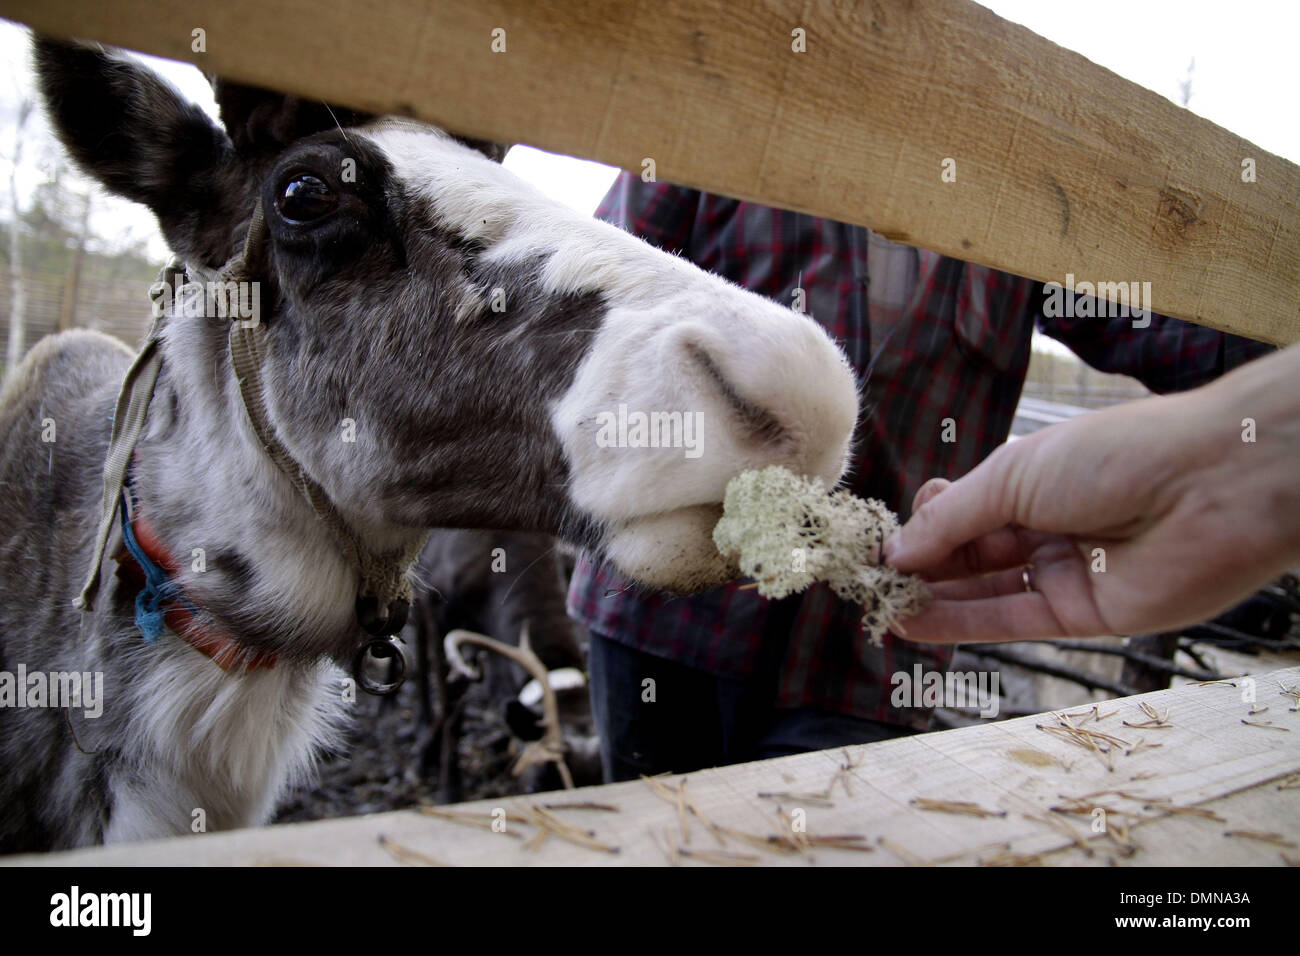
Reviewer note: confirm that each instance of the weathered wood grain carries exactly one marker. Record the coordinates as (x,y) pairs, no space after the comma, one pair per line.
(1208,759)
(1062,167)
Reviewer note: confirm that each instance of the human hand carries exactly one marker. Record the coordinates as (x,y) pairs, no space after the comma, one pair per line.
(1142,517)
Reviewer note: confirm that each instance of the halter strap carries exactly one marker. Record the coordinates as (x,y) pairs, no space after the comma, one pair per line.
(128,421)
(384,584)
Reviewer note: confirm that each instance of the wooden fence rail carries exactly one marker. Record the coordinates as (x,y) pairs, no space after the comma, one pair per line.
(1211,780)
(852,111)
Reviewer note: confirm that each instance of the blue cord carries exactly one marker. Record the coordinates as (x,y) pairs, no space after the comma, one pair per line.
(159,588)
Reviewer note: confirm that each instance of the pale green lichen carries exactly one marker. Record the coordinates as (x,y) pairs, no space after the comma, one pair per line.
(786,532)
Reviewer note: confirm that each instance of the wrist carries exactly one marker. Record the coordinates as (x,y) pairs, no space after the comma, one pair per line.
(1254,414)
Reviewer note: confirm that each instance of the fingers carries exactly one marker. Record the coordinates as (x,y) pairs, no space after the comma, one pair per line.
(1021,616)
(1003,548)
(1000,584)
(952,515)
(928,491)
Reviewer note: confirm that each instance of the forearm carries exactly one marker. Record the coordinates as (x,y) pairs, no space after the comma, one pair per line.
(1272,382)
(1257,409)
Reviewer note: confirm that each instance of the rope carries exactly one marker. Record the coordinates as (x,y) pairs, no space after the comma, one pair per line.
(159,588)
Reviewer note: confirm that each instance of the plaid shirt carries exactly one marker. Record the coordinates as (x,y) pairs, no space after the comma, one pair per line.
(954,344)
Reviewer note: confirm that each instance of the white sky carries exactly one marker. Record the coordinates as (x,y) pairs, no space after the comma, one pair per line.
(1244,79)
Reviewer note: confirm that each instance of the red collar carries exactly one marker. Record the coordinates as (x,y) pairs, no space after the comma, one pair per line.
(223,648)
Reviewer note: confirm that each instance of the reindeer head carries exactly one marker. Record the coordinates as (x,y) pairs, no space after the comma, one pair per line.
(499,360)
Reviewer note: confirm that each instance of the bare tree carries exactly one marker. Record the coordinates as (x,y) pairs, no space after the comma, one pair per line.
(72,278)
(18,302)
(1185,87)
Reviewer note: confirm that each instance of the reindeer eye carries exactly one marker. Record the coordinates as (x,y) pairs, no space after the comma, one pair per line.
(306,199)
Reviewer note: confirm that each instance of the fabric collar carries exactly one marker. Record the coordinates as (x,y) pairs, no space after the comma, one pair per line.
(161,605)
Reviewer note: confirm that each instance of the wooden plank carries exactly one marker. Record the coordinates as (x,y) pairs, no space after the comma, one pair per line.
(1063,168)
(1248,776)
(1164,841)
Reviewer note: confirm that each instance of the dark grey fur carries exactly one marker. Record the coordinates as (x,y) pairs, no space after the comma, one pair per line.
(380,318)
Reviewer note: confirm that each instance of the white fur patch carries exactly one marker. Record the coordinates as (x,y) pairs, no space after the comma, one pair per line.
(227,744)
(657,501)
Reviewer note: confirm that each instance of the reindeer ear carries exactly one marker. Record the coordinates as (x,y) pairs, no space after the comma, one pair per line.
(129,129)
(263,123)
(493,151)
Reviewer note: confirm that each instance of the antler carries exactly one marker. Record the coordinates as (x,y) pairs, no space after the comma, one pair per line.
(551,747)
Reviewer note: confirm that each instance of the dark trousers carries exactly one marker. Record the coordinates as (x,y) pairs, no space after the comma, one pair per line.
(655,715)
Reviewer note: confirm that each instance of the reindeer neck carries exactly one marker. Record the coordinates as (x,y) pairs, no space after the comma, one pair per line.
(252,555)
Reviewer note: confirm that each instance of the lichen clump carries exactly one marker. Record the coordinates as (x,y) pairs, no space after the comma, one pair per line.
(786,532)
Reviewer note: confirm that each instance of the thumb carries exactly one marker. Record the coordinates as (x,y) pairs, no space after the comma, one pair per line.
(923,494)
(928,491)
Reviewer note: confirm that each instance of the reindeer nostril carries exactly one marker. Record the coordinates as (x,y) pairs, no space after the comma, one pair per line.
(761,424)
